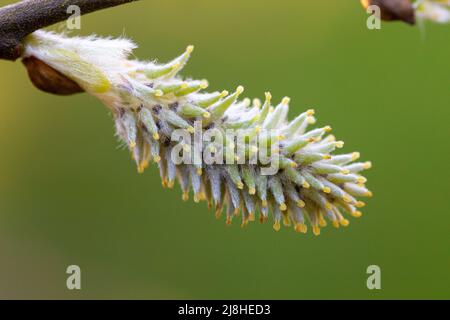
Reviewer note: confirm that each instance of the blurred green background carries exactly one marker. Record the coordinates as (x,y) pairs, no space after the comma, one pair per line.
(69,195)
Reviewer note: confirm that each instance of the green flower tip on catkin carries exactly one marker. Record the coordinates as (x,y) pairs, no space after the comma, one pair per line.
(151,103)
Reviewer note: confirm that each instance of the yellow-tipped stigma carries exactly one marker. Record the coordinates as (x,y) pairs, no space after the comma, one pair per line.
(326,190)
(335,224)
(264,203)
(327,128)
(344,222)
(316,230)
(355,156)
(189,49)
(361,179)
(339,144)
(251,191)
(276,226)
(300,203)
(268,96)
(360,204)
(346,198)
(310,112)
(206,115)
(190,129)
(283,206)
(356,214)
(185,196)
(286,221)
(199,171)
(156,136)
(239,89)
(305,185)
(303,228)
(367,165)
(156,159)
(240,185)
(285,101)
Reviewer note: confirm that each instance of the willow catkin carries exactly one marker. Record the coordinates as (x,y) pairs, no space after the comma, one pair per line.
(244,157)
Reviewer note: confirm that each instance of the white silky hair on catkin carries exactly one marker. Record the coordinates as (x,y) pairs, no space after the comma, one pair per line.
(107,55)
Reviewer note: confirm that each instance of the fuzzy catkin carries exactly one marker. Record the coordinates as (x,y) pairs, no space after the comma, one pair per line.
(433,10)
(150,102)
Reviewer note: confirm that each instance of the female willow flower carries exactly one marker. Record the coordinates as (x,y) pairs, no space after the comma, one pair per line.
(434,10)
(289,171)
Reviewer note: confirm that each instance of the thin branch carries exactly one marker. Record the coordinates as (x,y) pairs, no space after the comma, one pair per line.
(392,10)
(22,18)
